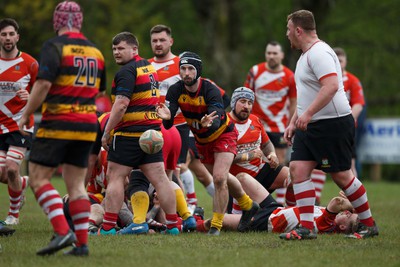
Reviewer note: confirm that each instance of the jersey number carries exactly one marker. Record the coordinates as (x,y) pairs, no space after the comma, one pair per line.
(154,85)
(87,72)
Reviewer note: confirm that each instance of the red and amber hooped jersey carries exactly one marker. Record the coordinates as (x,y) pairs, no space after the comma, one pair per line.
(77,72)
(195,105)
(138,81)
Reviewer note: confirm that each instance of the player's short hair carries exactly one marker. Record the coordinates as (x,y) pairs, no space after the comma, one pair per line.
(128,37)
(339,51)
(161,28)
(9,22)
(303,19)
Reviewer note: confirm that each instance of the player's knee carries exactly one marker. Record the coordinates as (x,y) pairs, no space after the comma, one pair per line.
(12,170)
(220,180)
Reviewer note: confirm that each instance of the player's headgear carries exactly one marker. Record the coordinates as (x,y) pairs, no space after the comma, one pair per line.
(241,92)
(67,14)
(190,58)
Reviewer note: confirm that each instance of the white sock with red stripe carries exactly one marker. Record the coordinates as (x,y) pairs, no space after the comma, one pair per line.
(235,207)
(188,184)
(280,195)
(16,199)
(318,177)
(50,201)
(80,211)
(356,193)
(305,200)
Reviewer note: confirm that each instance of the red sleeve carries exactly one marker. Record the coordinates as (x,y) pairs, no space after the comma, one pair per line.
(249,82)
(326,222)
(356,90)
(292,87)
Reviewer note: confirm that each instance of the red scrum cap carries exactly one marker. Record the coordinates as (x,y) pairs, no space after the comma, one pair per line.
(67,14)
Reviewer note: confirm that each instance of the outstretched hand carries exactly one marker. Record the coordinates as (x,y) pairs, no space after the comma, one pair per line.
(207,120)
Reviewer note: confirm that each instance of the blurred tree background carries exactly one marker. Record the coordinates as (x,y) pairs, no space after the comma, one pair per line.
(230,35)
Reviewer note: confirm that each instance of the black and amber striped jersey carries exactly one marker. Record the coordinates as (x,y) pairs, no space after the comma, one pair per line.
(194,106)
(138,81)
(77,72)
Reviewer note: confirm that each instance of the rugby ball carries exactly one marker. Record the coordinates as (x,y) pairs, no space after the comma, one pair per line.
(151,141)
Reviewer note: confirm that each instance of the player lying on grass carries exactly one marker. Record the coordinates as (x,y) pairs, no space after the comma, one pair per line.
(337,217)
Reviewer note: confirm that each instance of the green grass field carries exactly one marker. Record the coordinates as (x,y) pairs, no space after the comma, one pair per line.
(229,249)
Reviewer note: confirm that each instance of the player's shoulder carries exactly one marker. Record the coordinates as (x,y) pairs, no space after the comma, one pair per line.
(179,85)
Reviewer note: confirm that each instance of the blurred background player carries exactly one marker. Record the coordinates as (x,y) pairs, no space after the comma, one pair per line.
(355,95)
(18,72)
(275,90)
(70,77)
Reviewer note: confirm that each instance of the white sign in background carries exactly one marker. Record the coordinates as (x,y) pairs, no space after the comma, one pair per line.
(380,142)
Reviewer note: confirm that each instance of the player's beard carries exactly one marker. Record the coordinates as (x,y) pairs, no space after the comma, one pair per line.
(189,81)
(160,53)
(242,115)
(8,50)
(272,64)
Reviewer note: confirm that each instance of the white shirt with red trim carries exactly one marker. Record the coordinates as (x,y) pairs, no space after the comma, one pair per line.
(17,73)
(284,220)
(315,64)
(272,93)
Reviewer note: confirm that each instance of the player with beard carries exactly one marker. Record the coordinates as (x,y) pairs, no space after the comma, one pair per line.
(18,73)
(275,99)
(256,155)
(202,106)
(167,67)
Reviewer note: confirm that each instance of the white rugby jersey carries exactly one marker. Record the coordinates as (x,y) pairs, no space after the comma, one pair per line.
(318,62)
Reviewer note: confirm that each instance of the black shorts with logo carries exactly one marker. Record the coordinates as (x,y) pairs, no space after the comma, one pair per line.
(126,151)
(53,152)
(15,139)
(329,142)
(266,177)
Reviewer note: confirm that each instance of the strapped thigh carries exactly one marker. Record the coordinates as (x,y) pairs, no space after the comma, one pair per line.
(16,154)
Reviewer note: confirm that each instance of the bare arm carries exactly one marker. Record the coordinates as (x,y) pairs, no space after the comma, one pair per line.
(38,95)
(269,152)
(117,112)
(329,87)
(356,110)
(339,204)
(292,107)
